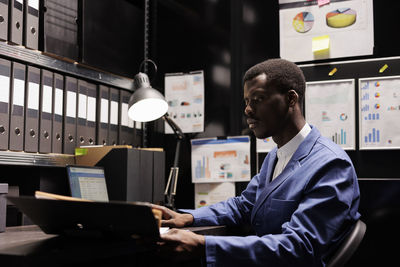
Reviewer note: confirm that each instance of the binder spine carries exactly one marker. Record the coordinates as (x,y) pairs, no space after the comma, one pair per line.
(32,110)
(46,106)
(114,120)
(4,20)
(17,102)
(70,110)
(5,74)
(57,114)
(91,113)
(31,29)
(103,115)
(16,21)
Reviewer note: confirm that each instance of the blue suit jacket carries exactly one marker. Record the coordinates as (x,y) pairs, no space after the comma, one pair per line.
(298,218)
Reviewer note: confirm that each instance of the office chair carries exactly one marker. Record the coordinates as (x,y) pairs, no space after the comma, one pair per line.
(348,246)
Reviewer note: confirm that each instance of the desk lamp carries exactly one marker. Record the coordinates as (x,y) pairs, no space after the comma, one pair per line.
(147,104)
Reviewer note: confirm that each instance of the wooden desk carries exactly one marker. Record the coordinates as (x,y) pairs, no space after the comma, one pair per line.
(30,246)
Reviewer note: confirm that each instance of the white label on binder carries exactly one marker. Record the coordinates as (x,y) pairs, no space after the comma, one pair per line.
(104,110)
(114,113)
(34,4)
(124,114)
(19,92)
(130,123)
(5,89)
(82,106)
(33,96)
(46,98)
(71,104)
(91,109)
(58,102)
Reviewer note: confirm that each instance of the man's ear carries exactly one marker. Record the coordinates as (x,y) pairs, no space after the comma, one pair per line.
(293,97)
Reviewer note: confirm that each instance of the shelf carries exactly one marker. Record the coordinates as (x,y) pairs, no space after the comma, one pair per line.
(35,159)
(65,66)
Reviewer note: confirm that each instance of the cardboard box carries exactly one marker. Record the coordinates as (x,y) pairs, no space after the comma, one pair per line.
(3,206)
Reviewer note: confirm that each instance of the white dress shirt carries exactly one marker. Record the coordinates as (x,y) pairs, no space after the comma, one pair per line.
(285,153)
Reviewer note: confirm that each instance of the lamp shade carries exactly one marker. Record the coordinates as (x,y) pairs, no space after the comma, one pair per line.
(146,103)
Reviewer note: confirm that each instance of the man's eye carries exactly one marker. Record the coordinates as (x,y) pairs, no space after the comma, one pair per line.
(258,99)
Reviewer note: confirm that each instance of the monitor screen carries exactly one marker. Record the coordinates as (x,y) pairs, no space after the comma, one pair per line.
(87,183)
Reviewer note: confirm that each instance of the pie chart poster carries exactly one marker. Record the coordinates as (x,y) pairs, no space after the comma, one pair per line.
(349,25)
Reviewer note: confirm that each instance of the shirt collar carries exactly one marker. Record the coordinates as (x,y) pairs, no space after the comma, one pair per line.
(290,147)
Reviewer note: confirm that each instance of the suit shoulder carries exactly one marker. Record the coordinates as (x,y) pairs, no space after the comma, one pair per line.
(330,148)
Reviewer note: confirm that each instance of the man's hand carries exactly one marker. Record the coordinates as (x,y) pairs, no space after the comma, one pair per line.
(181,245)
(172,218)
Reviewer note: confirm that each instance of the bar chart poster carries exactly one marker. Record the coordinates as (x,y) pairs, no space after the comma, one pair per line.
(265,145)
(379,116)
(330,106)
(221,160)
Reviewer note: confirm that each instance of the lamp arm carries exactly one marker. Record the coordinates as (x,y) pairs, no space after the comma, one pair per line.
(170,189)
(178,132)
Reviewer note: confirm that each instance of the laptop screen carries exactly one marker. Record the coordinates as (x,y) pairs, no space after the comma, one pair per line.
(87,183)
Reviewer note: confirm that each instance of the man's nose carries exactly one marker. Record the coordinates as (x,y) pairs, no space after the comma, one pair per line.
(248,110)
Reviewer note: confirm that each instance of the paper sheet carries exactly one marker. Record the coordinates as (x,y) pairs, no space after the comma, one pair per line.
(208,194)
(221,160)
(185,96)
(300,21)
(330,106)
(379,113)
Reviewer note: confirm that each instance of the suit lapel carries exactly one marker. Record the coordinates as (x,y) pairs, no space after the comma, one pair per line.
(302,151)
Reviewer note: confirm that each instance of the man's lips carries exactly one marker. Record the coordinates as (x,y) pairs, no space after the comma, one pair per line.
(252,123)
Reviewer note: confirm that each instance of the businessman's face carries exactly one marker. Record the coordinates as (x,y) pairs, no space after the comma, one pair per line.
(266,108)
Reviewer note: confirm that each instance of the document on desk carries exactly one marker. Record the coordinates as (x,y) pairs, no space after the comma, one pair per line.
(164,230)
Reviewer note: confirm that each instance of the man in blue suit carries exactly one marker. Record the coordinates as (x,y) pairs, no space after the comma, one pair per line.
(302,203)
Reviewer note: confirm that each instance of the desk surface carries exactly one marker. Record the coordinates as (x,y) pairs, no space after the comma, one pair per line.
(30,246)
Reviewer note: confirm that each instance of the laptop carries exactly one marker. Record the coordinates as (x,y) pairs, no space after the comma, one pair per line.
(87,182)
(114,219)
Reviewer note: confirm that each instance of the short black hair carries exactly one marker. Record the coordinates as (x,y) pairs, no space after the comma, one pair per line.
(284,74)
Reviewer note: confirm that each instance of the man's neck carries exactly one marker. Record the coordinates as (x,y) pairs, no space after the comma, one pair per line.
(289,132)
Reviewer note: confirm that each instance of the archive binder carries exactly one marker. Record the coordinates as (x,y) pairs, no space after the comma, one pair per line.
(70,97)
(46,108)
(81,131)
(91,113)
(103,115)
(16,21)
(32,110)
(3,19)
(58,104)
(125,132)
(5,72)
(16,133)
(31,29)
(60,28)
(114,120)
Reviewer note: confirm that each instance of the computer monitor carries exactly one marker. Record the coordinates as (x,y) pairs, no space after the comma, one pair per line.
(87,182)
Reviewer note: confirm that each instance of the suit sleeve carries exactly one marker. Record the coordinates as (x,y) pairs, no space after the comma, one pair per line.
(324,211)
(234,211)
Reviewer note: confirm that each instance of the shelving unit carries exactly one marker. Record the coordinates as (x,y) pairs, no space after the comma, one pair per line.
(35,159)
(63,65)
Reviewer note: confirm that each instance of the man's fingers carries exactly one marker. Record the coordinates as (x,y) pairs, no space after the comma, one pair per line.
(168,223)
(167,213)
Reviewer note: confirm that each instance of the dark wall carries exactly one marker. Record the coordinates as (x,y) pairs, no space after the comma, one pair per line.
(189,36)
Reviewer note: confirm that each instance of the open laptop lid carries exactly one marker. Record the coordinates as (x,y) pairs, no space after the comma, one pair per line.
(87,182)
(96,219)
